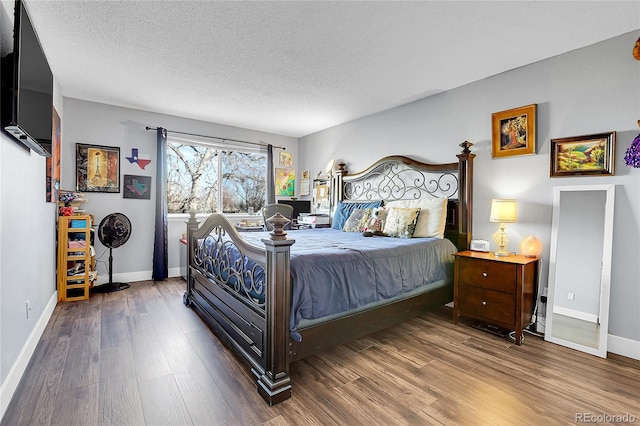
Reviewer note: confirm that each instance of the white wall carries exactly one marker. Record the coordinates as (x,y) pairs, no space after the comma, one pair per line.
(27,247)
(591,90)
(99,124)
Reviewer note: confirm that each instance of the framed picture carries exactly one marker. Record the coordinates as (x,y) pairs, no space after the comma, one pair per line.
(97,168)
(137,187)
(583,155)
(285,182)
(286,159)
(53,162)
(514,132)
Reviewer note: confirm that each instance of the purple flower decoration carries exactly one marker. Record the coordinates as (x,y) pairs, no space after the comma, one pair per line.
(632,156)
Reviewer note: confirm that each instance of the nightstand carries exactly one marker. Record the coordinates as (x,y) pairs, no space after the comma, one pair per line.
(496,290)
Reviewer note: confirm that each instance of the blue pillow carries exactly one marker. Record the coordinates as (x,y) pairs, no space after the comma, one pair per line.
(344,210)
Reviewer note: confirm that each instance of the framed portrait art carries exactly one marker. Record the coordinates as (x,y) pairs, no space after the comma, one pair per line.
(514,132)
(583,155)
(97,168)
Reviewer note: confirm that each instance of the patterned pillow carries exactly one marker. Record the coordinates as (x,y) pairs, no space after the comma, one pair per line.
(401,222)
(344,209)
(357,221)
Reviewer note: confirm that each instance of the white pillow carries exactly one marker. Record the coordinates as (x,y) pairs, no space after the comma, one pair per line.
(432,218)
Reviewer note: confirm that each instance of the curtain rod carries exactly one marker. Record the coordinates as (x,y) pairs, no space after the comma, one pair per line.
(216,137)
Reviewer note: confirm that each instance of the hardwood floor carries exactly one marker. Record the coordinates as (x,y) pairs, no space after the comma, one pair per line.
(140,356)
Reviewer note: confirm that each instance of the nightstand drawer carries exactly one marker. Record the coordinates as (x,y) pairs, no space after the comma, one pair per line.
(487,304)
(488,274)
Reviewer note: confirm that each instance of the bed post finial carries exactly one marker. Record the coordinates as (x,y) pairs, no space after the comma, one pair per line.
(278,221)
(466,145)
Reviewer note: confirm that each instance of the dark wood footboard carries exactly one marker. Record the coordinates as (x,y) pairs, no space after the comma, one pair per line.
(248,307)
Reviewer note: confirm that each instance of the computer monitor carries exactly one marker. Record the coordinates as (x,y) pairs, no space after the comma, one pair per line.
(299,206)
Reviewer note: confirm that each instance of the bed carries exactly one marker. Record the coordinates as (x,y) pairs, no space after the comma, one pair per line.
(281,296)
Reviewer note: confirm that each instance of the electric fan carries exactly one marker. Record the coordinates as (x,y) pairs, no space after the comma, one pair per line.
(114,231)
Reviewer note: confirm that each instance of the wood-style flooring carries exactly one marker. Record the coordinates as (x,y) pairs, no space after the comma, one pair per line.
(140,356)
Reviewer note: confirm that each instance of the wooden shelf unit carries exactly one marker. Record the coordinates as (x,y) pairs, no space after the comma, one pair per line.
(74,260)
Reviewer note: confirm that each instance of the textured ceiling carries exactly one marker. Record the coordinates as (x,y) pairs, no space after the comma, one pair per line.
(294,68)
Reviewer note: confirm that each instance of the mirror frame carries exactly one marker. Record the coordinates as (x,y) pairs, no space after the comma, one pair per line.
(605,277)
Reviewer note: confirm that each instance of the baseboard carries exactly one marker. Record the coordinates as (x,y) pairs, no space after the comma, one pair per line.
(623,346)
(174,272)
(128,277)
(17,370)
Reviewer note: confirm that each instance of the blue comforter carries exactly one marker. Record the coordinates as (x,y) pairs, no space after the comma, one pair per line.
(334,271)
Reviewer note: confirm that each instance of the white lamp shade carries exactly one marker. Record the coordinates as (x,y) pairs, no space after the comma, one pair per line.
(503,211)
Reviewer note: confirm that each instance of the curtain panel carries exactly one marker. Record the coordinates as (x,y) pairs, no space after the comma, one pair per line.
(160,247)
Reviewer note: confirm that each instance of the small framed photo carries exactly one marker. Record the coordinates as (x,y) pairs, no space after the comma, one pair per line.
(583,155)
(514,132)
(97,168)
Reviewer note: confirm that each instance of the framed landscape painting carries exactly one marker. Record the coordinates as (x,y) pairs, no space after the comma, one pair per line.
(583,155)
(514,132)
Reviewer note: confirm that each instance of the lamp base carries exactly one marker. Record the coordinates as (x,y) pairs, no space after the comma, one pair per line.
(502,253)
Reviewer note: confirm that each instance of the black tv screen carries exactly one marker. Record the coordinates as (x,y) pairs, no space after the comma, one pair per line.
(299,206)
(27,87)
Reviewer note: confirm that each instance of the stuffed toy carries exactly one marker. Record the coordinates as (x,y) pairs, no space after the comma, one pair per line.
(376,224)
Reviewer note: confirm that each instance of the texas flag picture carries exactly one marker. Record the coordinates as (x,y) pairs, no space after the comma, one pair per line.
(140,159)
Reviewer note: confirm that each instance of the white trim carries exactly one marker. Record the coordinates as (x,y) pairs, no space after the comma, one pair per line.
(584,316)
(19,367)
(623,346)
(174,272)
(233,217)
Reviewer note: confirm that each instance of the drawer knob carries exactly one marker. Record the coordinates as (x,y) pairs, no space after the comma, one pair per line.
(484,303)
(484,274)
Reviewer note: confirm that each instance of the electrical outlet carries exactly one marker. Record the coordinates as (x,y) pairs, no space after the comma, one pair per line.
(28,307)
(571,296)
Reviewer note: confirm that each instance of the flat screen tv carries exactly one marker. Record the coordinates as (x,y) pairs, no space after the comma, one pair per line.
(27,87)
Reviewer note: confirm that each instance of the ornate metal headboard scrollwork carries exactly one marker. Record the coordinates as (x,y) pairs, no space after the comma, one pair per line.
(400,178)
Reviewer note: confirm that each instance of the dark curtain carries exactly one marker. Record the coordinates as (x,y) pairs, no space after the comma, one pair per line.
(271,186)
(160,252)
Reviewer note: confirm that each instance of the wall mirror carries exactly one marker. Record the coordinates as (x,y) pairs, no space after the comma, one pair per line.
(580,267)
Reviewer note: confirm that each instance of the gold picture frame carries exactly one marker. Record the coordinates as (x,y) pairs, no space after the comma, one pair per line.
(590,155)
(514,132)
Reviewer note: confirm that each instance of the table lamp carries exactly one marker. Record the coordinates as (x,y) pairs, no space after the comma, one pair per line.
(502,211)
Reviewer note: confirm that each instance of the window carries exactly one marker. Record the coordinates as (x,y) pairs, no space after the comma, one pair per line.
(205,177)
